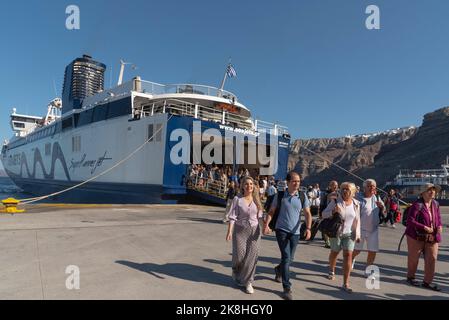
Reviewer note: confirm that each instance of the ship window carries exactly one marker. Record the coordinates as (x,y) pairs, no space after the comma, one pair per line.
(100,113)
(158,132)
(76,144)
(47,149)
(76,117)
(66,123)
(150,132)
(119,108)
(19,125)
(84,118)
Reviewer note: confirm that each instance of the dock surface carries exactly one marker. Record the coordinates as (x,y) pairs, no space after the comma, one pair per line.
(177,252)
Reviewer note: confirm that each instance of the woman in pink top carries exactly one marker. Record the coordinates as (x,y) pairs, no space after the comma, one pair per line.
(424,229)
(244,231)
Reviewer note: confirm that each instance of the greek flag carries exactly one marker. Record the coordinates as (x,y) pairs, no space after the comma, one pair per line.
(230,71)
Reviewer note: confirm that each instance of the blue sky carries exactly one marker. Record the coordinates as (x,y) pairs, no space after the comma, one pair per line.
(310,65)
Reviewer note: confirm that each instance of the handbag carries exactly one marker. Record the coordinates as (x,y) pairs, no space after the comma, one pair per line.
(424,236)
(331,226)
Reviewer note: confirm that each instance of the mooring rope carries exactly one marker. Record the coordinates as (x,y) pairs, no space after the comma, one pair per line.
(31,200)
(347,171)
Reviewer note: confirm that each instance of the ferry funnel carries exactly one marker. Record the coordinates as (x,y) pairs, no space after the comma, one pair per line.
(83,77)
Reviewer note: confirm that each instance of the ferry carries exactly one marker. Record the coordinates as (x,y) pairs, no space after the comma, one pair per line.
(123,139)
(408,182)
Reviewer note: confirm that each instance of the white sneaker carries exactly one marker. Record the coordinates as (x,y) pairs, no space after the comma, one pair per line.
(249,288)
(393,226)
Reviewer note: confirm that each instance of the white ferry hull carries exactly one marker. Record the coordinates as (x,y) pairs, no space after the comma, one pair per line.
(59,161)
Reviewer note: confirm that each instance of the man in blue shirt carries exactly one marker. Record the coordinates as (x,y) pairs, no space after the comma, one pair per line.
(287,227)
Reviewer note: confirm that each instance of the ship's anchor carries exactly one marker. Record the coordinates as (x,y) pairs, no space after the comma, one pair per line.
(11,206)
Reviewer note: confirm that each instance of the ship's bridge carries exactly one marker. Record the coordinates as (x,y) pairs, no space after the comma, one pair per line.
(22,124)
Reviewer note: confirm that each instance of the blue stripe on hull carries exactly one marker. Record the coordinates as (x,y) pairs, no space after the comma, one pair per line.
(97,192)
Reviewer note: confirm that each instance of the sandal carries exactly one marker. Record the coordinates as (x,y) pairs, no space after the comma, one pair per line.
(346,288)
(413,282)
(331,275)
(430,286)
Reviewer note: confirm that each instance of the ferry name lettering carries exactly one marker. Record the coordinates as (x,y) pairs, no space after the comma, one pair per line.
(100,162)
(77,164)
(83,163)
(240,130)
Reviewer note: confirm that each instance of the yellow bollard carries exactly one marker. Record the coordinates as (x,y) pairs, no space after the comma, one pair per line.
(11,206)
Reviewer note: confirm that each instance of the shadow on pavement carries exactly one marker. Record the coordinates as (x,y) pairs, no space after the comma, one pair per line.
(182,271)
(340,294)
(387,273)
(204,220)
(441,257)
(414,297)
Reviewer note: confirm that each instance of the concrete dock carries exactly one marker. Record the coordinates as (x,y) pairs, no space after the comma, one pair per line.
(176,252)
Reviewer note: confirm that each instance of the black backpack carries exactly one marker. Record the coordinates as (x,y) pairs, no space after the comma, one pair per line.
(330,226)
(280,196)
(405,215)
(269,201)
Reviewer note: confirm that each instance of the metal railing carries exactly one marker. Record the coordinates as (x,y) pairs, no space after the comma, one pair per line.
(144,86)
(184,108)
(198,111)
(176,106)
(216,188)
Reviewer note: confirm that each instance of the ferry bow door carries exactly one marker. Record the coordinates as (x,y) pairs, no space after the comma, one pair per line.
(211,147)
(211,156)
(233,152)
(257,156)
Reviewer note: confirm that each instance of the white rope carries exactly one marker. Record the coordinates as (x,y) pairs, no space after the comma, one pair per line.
(31,200)
(347,171)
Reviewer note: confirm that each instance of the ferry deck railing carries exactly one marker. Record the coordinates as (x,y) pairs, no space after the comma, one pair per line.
(157,88)
(216,188)
(198,111)
(185,108)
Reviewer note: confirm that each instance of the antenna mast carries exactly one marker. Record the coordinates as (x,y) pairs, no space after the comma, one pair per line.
(122,70)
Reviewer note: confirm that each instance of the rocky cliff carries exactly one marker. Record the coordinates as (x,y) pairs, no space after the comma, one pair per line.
(379,156)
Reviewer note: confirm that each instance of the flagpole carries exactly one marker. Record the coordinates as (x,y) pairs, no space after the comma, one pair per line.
(224,80)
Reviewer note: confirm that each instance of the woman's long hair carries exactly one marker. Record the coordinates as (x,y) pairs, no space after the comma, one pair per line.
(256,197)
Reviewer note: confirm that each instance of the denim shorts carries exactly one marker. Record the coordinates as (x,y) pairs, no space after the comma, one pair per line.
(344,242)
